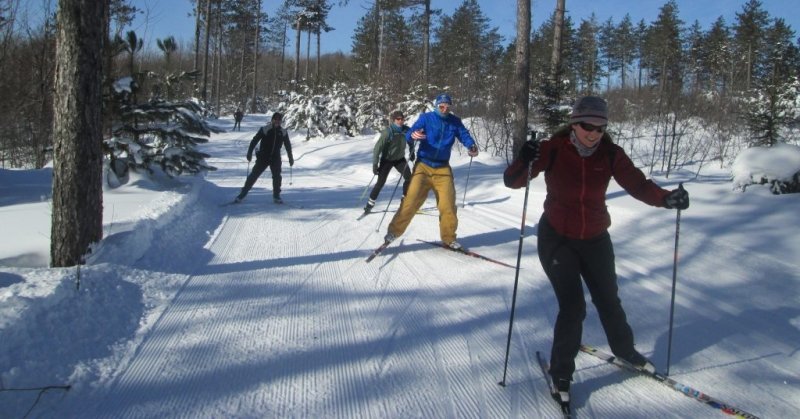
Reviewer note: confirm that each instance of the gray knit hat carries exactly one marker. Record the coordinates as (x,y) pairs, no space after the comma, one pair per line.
(590,109)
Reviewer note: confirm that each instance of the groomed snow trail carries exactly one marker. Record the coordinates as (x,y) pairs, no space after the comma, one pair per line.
(283,318)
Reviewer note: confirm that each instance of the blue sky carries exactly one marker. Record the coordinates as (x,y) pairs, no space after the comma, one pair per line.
(171,17)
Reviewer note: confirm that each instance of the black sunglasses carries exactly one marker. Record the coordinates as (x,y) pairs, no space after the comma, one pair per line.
(589,127)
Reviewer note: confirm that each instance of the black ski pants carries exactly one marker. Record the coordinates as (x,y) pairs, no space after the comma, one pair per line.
(259,168)
(383,172)
(566,261)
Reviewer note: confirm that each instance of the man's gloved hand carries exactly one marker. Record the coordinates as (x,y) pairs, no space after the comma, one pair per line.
(412,156)
(291,161)
(473,151)
(249,157)
(677,199)
(374,169)
(529,151)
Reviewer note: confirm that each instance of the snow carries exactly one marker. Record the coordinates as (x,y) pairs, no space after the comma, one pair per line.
(190,308)
(780,162)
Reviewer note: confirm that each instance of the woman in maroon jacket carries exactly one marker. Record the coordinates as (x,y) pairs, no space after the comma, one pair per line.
(573,241)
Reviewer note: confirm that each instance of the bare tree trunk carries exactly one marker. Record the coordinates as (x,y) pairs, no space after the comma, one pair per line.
(240,82)
(218,54)
(522,74)
(319,45)
(279,70)
(197,44)
(205,55)
(381,25)
(375,57)
(255,57)
(77,219)
(296,75)
(426,42)
(308,53)
(558,29)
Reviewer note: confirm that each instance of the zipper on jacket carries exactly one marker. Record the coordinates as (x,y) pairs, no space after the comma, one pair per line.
(583,197)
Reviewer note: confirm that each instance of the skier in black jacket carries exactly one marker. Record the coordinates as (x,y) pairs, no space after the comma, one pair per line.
(268,154)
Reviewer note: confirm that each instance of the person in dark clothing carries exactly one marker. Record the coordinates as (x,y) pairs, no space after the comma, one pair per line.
(268,154)
(573,240)
(237,119)
(390,152)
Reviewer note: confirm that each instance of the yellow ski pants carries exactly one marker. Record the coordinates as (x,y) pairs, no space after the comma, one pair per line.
(423,180)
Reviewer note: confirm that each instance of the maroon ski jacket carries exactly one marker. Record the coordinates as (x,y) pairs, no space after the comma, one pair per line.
(576,186)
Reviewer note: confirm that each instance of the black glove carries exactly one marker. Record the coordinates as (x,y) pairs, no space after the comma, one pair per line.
(412,156)
(249,157)
(374,169)
(677,199)
(291,162)
(529,151)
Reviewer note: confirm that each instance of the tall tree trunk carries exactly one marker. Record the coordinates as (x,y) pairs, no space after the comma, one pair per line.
(77,219)
(308,52)
(255,57)
(197,44)
(522,78)
(558,29)
(426,42)
(240,82)
(279,70)
(319,57)
(218,80)
(296,75)
(381,35)
(376,46)
(205,55)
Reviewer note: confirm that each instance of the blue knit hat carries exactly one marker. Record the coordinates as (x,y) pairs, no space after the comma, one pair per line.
(443,98)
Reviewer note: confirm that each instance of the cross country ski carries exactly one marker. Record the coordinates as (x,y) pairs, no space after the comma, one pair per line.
(467,252)
(377,251)
(669,382)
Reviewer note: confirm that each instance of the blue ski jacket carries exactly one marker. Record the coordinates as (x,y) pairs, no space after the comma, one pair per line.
(442,133)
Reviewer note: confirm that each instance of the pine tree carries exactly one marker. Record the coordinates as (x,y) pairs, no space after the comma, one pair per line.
(156,134)
(464,53)
(77,219)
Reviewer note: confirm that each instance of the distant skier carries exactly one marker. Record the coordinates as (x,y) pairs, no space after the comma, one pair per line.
(237,119)
(390,152)
(436,133)
(268,154)
(578,162)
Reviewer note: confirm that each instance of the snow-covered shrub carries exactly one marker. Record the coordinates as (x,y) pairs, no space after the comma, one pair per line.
(328,110)
(778,166)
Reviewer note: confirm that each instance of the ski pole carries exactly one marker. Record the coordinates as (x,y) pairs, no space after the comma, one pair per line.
(363,194)
(516,276)
(405,166)
(674,281)
(464,201)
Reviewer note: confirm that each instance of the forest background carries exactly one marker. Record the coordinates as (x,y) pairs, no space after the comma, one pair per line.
(738,79)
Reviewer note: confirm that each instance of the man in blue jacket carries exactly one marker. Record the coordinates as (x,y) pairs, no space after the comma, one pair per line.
(436,132)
